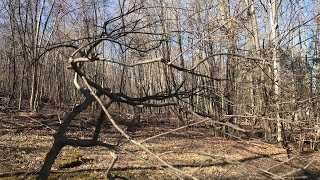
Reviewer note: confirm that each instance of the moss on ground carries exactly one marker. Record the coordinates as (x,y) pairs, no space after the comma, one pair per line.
(68,157)
(73,175)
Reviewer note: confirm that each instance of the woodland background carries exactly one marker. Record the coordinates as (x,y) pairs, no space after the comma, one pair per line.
(243,70)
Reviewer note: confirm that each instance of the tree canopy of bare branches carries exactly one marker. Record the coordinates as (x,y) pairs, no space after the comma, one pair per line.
(226,62)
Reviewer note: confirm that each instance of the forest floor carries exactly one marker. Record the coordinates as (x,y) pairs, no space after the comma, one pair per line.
(25,139)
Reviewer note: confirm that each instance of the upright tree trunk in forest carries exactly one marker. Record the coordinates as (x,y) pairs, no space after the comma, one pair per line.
(13,52)
(300,84)
(37,38)
(317,56)
(254,45)
(165,46)
(32,101)
(317,63)
(273,18)
(224,7)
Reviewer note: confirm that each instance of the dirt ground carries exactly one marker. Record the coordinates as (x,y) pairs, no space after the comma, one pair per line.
(25,139)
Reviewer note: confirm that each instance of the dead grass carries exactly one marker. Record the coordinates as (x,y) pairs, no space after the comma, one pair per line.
(24,143)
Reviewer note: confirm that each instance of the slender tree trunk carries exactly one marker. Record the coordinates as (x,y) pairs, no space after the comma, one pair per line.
(224,7)
(276,62)
(317,65)
(254,45)
(14,65)
(34,86)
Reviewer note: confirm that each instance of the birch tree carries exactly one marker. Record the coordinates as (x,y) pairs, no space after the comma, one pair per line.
(274,35)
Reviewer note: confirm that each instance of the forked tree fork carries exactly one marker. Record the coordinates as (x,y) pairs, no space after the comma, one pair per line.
(60,139)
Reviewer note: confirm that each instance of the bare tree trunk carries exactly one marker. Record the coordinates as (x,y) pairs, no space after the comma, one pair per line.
(34,86)
(254,45)
(59,138)
(224,7)
(276,62)
(13,57)
(317,63)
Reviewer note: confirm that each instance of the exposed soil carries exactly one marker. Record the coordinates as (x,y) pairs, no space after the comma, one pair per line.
(26,138)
